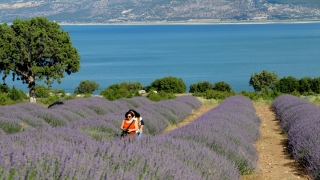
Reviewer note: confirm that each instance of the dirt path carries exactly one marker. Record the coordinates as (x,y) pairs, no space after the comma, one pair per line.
(274,162)
(195,114)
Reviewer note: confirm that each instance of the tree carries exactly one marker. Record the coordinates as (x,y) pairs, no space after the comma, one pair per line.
(112,92)
(36,50)
(41,91)
(305,84)
(287,85)
(264,79)
(86,87)
(14,94)
(315,85)
(169,84)
(200,87)
(132,86)
(222,86)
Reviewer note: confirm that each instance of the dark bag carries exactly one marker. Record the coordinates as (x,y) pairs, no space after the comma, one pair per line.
(125,132)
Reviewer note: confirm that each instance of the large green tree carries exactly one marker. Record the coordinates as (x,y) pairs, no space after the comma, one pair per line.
(264,79)
(36,50)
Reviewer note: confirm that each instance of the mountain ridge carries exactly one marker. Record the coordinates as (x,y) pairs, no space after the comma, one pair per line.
(166,11)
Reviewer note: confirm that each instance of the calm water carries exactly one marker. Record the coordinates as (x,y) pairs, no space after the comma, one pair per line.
(221,52)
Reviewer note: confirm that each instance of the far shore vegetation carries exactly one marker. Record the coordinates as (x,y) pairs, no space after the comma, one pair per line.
(266,87)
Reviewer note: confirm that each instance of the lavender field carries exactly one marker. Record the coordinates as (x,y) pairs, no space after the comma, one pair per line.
(229,130)
(300,119)
(77,140)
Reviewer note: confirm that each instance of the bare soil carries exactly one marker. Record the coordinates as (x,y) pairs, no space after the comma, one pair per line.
(274,161)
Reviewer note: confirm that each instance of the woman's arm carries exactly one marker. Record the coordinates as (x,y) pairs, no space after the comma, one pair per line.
(122,125)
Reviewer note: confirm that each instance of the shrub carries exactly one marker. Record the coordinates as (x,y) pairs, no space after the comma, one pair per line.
(219,95)
(23,94)
(59,92)
(123,90)
(222,86)
(315,85)
(287,84)
(50,99)
(3,100)
(42,91)
(132,86)
(198,94)
(305,84)
(251,95)
(68,97)
(14,94)
(114,91)
(160,96)
(200,87)
(86,87)
(169,84)
(154,96)
(109,94)
(4,88)
(269,95)
(264,79)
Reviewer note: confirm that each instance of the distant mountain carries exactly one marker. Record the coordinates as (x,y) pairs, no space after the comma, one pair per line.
(141,11)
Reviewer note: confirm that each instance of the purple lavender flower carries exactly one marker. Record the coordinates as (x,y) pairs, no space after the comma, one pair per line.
(301,120)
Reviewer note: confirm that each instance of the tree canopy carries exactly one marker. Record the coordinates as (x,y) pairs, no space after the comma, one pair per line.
(169,84)
(264,79)
(86,87)
(200,87)
(222,86)
(36,50)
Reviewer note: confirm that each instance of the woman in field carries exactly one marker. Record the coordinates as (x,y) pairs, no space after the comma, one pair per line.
(129,124)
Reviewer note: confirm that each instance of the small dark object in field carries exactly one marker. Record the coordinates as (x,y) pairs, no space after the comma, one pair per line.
(56,103)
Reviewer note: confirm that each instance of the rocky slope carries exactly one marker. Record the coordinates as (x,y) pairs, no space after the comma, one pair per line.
(142,11)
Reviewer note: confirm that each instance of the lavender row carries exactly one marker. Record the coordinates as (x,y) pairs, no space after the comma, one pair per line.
(301,120)
(64,153)
(157,117)
(229,130)
(101,106)
(30,115)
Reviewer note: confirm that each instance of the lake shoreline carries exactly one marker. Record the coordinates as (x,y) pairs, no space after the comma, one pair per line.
(198,22)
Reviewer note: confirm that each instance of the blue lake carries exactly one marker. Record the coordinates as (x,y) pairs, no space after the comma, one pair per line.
(204,52)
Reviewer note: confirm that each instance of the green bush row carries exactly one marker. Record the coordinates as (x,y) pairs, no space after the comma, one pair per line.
(267,86)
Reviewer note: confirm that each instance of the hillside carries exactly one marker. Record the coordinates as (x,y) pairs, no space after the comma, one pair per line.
(144,11)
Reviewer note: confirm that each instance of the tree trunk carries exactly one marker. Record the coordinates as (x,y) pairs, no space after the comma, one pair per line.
(32,94)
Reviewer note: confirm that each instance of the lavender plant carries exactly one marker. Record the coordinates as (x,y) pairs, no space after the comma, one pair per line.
(10,125)
(157,117)
(38,116)
(63,153)
(229,130)
(99,106)
(78,151)
(301,119)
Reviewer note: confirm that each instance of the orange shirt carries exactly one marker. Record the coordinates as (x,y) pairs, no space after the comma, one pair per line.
(132,126)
